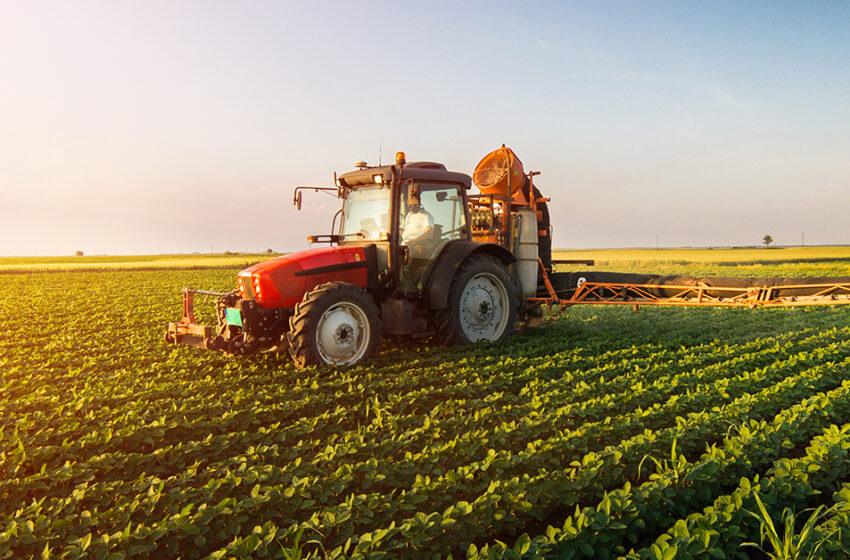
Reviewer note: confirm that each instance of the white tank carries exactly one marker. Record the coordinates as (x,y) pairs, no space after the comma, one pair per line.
(527,251)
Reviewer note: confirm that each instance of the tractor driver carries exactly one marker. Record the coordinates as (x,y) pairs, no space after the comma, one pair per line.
(418,224)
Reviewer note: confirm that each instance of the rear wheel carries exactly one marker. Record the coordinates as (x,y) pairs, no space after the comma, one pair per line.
(482,304)
(335,324)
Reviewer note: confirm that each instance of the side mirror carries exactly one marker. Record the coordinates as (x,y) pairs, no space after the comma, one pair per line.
(298,200)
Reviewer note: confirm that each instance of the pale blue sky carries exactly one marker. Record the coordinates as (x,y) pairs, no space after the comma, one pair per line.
(148,127)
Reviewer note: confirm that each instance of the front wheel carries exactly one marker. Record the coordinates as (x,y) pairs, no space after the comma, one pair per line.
(335,324)
(482,304)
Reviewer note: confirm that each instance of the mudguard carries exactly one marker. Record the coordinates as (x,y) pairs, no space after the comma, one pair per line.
(439,281)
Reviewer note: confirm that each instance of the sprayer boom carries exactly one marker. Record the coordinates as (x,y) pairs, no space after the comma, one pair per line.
(611,288)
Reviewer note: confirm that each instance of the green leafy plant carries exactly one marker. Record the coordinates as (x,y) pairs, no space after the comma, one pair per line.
(790,545)
(671,468)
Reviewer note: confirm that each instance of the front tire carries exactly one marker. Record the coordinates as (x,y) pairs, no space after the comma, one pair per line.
(334,324)
(482,305)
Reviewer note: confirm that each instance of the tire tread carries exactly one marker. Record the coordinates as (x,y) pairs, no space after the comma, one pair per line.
(446,320)
(307,312)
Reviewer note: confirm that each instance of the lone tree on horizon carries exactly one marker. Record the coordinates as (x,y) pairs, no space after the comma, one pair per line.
(767,240)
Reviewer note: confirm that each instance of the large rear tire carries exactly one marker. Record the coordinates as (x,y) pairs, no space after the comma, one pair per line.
(335,324)
(482,304)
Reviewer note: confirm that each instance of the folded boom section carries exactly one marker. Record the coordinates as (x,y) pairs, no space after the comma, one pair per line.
(571,288)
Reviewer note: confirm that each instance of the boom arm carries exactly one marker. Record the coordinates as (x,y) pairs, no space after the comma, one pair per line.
(560,290)
(612,293)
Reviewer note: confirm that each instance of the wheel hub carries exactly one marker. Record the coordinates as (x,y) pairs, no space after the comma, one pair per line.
(483,308)
(343,334)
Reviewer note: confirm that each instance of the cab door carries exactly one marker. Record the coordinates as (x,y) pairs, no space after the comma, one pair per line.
(439,218)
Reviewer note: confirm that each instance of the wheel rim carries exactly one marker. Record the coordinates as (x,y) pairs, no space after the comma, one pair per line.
(484,308)
(343,334)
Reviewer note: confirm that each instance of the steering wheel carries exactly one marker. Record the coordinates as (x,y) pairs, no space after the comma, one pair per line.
(422,246)
(453,231)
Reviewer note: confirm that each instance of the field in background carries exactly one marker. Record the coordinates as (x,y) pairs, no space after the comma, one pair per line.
(703,255)
(810,260)
(130,262)
(607,433)
(752,262)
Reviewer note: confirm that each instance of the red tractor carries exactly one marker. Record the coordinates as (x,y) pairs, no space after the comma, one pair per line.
(411,253)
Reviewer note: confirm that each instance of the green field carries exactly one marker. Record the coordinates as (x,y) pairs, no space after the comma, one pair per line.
(607,433)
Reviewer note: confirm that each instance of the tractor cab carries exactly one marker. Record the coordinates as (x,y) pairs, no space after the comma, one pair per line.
(409,211)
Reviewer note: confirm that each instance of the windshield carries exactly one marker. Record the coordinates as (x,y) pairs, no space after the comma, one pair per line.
(366,214)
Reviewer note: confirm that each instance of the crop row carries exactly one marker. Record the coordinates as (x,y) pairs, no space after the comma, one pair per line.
(537,421)
(788,483)
(513,496)
(113,443)
(629,514)
(543,419)
(128,432)
(524,489)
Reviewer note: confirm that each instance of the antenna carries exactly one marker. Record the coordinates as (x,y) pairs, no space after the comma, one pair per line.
(380,151)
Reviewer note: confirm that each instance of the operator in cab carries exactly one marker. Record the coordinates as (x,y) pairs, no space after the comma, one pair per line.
(419,223)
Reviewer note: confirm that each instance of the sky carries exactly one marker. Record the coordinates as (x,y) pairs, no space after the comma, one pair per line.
(180,126)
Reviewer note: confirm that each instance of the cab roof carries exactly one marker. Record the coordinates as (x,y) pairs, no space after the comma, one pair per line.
(417,171)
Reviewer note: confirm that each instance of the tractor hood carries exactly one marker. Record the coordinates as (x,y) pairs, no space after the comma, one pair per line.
(283,281)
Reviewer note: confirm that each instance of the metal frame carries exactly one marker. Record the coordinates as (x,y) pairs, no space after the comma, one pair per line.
(188,330)
(607,293)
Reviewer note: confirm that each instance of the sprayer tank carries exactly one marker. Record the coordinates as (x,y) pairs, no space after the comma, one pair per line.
(527,251)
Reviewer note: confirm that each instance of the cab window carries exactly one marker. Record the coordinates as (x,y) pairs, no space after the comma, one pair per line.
(365,214)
